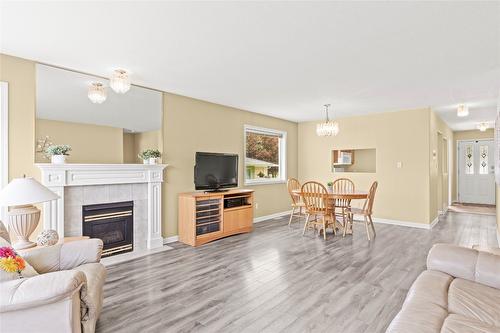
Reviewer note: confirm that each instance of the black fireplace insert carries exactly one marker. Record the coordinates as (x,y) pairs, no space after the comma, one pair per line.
(111,222)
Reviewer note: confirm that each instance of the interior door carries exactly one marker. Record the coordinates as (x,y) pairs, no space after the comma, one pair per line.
(476,172)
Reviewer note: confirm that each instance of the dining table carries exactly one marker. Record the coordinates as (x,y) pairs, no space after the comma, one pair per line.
(345,194)
(342,195)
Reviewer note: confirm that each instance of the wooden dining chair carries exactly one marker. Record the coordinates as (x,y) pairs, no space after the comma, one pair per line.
(342,185)
(297,203)
(366,211)
(315,198)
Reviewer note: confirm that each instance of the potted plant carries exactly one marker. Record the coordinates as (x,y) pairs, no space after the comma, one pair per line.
(149,156)
(58,153)
(330,186)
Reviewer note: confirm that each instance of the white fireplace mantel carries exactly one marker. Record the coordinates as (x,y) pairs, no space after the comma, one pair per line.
(58,176)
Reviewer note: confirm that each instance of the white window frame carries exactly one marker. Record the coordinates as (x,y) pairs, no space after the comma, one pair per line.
(282,155)
(4,142)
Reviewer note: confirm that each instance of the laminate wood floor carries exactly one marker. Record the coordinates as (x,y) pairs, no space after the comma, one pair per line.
(275,280)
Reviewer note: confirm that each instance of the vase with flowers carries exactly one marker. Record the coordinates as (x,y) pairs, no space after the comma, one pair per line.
(10,261)
(150,156)
(58,153)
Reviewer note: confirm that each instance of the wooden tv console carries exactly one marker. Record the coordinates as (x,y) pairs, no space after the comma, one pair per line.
(203,218)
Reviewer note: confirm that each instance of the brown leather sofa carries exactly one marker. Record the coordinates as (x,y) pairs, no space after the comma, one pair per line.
(459,292)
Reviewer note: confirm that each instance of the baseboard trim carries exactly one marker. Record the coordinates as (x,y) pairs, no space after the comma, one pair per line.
(433,223)
(405,223)
(271,216)
(171,239)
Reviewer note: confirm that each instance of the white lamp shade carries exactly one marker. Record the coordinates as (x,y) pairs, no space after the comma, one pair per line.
(25,191)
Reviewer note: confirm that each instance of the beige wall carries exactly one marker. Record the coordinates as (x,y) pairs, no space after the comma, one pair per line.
(465,135)
(439,178)
(20,75)
(192,125)
(89,143)
(403,194)
(129,155)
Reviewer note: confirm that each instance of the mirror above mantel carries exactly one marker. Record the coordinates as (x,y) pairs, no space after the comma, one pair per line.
(115,131)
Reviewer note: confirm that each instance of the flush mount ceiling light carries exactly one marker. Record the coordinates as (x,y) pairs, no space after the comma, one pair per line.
(329,127)
(482,127)
(462,111)
(120,81)
(97,93)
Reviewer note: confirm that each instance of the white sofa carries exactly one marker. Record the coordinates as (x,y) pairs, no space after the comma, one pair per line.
(66,296)
(459,292)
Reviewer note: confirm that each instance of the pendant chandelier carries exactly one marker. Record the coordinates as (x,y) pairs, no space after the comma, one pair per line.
(329,127)
(97,93)
(462,111)
(482,127)
(120,81)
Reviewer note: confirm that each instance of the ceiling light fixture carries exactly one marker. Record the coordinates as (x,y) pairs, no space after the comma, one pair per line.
(462,111)
(329,127)
(120,81)
(482,127)
(97,93)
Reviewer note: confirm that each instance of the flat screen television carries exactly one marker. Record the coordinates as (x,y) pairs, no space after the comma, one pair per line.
(215,171)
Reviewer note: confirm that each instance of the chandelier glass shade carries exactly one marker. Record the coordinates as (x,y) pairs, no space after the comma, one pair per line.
(120,81)
(462,111)
(482,127)
(97,93)
(329,127)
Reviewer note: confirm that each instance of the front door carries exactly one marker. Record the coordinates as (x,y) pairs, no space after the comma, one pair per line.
(476,172)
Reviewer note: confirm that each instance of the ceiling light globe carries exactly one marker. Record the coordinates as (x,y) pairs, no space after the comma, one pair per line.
(97,93)
(120,81)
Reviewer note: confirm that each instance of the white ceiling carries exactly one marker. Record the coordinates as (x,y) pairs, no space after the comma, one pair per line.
(284,59)
(62,95)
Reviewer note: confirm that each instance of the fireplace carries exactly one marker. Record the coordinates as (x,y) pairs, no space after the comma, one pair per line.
(111,222)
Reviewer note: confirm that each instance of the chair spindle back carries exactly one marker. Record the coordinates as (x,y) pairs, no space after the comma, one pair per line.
(315,197)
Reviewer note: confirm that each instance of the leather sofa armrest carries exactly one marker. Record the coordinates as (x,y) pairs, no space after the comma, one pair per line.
(21,294)
(65,256)
(465,263)
(74,254)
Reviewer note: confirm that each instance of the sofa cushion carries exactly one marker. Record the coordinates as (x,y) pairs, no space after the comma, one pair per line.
(430,287)
(459,324)
(418,317)
(425,306)
(474,300)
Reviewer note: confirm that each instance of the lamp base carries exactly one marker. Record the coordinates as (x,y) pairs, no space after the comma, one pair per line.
(23,221)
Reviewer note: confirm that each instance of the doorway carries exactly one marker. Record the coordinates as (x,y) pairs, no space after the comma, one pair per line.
(476,172)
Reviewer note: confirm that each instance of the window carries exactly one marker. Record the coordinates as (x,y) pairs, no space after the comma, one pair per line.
(469,160)
(483,160)
(265,155)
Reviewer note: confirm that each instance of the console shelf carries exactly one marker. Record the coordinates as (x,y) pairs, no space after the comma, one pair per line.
(203,218)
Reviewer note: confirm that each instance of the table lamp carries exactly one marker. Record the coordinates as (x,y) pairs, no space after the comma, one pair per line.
(20,194)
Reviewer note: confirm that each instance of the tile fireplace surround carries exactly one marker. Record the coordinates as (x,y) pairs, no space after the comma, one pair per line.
(84,184)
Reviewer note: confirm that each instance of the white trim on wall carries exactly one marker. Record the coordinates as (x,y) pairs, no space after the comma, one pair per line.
(4,141)
(271,216)
(171,239)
